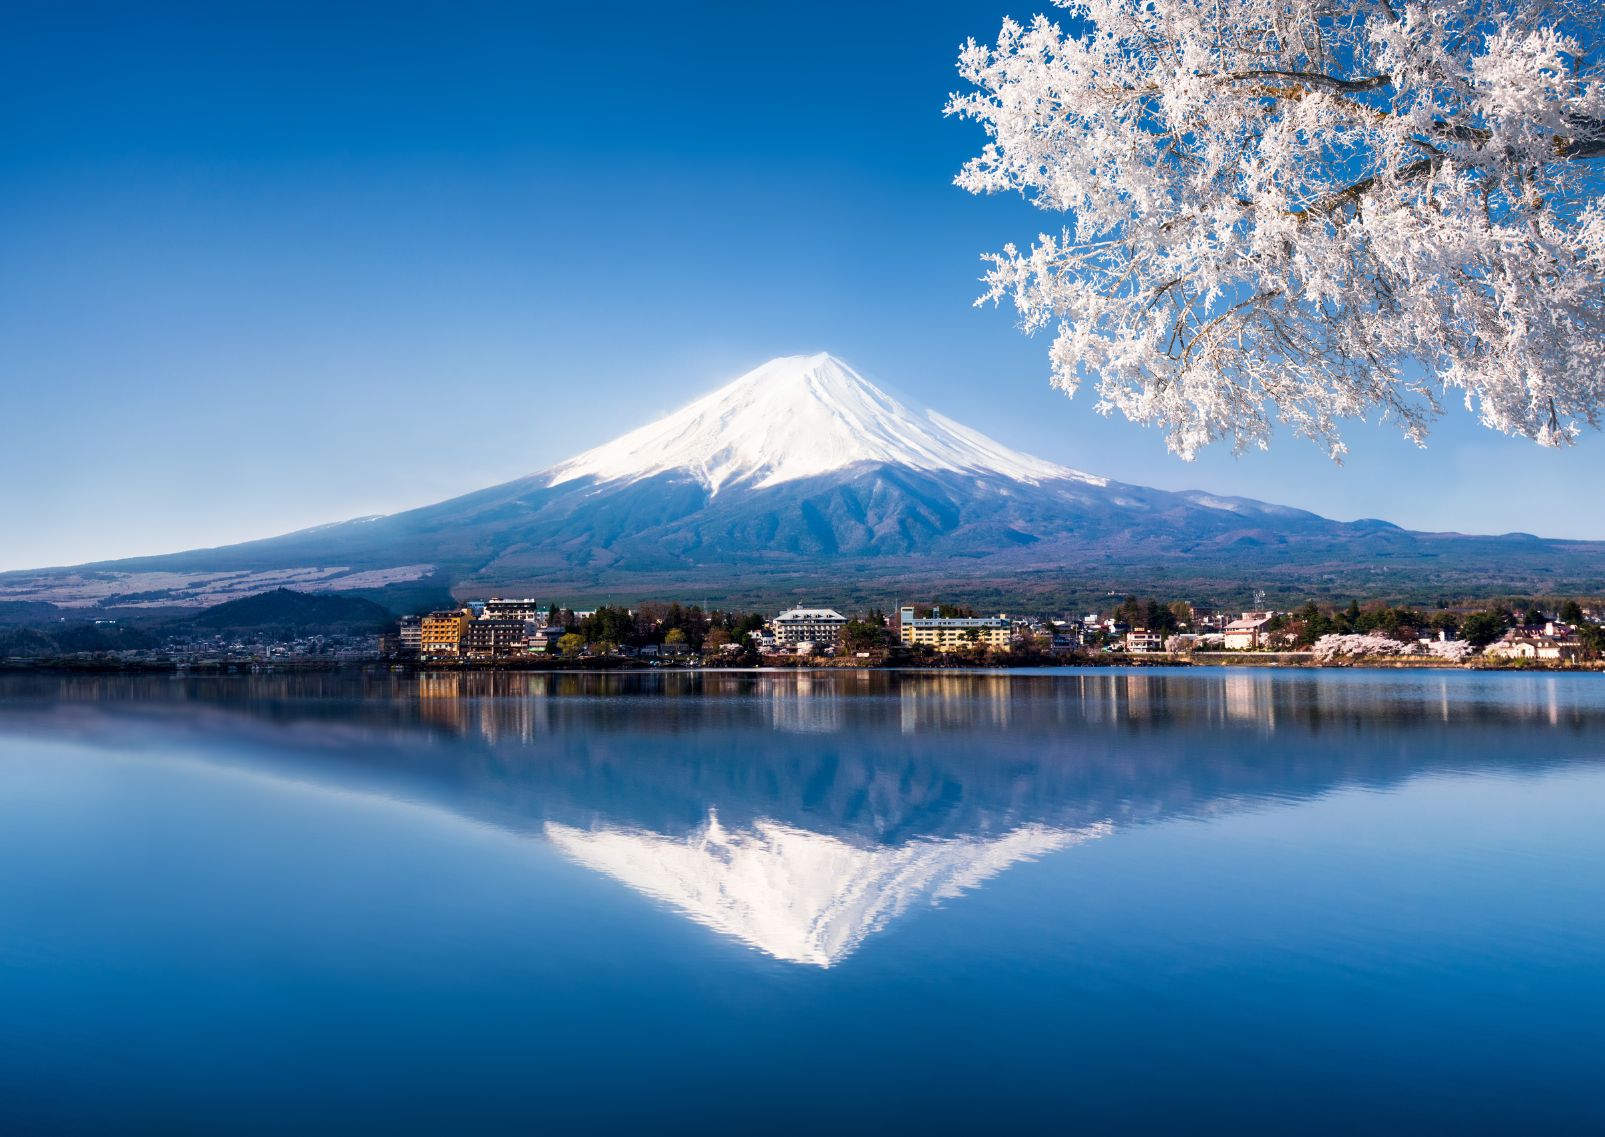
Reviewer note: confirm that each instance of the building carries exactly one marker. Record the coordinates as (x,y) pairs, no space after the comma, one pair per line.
(440,634)
(544,639)
(1141,639)
(1523,644)
(953,633)
(821,627)
(493,639)
(525,610)
(412,630)
(1247,633)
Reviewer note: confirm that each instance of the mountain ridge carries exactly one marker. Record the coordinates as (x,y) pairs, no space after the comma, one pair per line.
(802,473)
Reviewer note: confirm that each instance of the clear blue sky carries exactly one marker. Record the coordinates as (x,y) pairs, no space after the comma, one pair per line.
(269,265)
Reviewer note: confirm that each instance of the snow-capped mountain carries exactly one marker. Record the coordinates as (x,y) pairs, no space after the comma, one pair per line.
(801,416)
(802,477)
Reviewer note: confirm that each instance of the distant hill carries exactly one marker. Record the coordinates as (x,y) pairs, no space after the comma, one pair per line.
(77,638)
(803,480)
(285,609)
(20,613)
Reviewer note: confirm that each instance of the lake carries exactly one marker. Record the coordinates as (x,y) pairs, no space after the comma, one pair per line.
(836,902)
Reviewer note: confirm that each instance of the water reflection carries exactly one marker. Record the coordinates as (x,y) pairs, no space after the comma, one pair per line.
(799,896)
(799,813)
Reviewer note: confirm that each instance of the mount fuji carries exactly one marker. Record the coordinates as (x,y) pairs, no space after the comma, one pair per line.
(804,478)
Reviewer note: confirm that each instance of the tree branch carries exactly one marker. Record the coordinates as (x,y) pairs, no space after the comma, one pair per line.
(1348,194)
(1318,79)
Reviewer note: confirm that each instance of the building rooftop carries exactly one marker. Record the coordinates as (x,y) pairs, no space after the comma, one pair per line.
(811,614)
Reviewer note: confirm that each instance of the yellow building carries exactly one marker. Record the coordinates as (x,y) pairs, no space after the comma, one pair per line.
(953,633)
(442,634)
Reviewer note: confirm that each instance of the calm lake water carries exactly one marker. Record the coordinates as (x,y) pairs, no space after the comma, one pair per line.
(1145,902)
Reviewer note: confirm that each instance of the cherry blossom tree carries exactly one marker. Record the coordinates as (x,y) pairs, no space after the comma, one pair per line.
(1307,211)
(1369,645)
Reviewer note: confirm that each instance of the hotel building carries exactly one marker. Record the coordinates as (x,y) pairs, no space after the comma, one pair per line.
(821,627)
(953,633)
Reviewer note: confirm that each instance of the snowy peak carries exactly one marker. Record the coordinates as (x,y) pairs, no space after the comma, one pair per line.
(798,417)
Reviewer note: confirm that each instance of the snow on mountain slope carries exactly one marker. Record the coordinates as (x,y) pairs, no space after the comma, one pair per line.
(798,417)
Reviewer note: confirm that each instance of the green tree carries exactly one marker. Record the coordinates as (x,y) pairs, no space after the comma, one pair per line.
(1310,624)
(571,643)
(1482,628)
(1148,614)
(608,623)
(1571,612)
(866,635)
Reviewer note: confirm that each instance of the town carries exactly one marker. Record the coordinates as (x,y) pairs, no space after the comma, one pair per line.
(293,629)
(504,631)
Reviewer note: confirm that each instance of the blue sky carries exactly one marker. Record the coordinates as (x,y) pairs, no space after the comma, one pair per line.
(266,266)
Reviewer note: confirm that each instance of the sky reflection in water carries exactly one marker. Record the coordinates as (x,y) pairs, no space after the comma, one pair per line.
(933,902)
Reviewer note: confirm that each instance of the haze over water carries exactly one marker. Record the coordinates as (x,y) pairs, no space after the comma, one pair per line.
(817,902)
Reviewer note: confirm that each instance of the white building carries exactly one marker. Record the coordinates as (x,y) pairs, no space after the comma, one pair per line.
(501,608)
(1247,633)
(1521,645)
(820,626)
(1141,639)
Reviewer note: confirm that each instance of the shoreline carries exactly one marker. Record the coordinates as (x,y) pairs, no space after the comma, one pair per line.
(1266,661)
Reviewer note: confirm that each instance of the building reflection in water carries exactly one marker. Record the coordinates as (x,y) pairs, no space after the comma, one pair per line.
(518,706)
(799,705)
(1248,698)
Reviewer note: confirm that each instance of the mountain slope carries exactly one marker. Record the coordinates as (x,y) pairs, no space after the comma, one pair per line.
(802,477)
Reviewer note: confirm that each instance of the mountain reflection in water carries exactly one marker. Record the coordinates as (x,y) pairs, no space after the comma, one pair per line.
(800,896)
(799,813)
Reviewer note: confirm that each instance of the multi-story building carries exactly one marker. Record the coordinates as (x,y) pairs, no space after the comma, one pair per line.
(525,610)
(493,639)
(1141,639)
(412,630)
(953,633)
(821,627)
(1248,633)
(440,634)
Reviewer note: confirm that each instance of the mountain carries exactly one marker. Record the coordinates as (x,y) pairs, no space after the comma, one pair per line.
(799,418)
(802,478)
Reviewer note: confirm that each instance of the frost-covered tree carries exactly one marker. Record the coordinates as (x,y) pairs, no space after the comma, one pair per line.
(1307,210)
